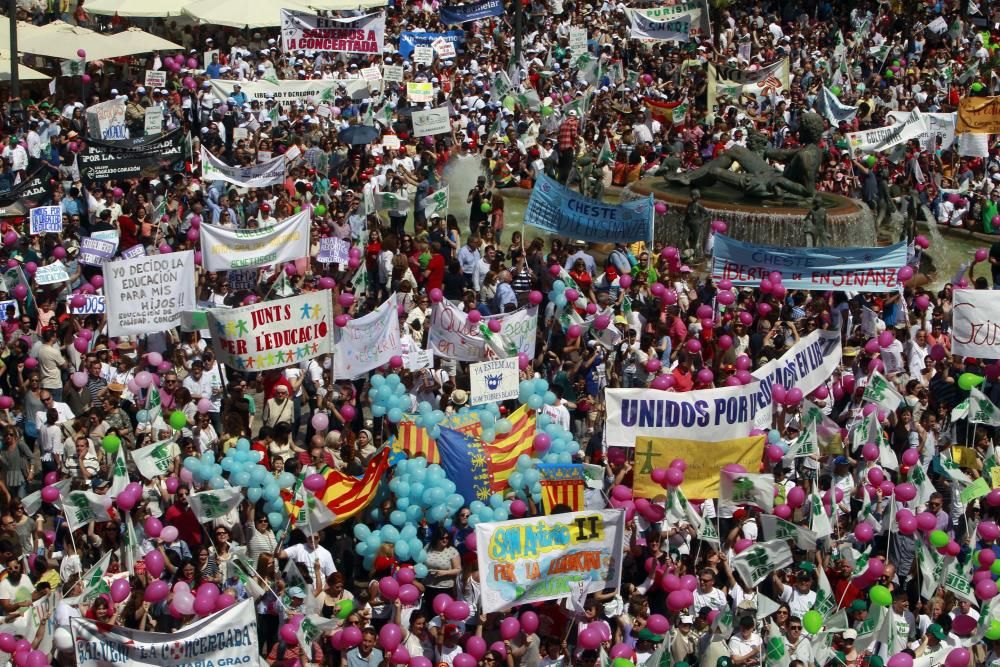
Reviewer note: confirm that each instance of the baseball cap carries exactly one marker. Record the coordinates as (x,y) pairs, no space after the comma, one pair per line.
(649,636)
(296,592)
(687,619)
(936,631)
(850,633)
(840,461)
(857,605)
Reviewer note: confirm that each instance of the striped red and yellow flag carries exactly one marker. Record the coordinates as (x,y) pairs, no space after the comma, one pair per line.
(346,495)
(414,440)
(504,452)
(660,110)
(562,484)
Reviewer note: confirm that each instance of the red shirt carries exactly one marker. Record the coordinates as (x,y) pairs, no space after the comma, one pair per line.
(682,381)
(187,525)
(436,276)
(129,232)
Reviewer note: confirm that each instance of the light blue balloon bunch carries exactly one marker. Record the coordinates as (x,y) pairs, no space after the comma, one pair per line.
(535,393)
(404,541)
(388,397)
(430,419)
(497,509)
(206,470)
(526,480)
(561,446)
(557,294)
(244,468)
(493,422)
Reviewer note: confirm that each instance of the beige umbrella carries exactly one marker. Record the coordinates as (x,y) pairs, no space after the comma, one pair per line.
(132,41)
(24,73)
(61,40)
(137,8)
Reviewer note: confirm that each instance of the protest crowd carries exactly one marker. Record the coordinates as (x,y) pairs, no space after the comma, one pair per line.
(287,377)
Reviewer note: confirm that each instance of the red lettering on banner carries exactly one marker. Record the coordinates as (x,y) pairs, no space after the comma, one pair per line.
(980,333)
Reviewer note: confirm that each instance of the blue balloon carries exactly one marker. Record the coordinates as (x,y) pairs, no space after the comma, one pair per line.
(535,402)
(243,445)
(550,398)
(500,514)
(192,463)
(373,542)
(361,548)
(416,546)
(541,385)
(276,519)
(542,420)
(496,500)
(408,532)
(523,462)
(253,493)
(402,550)
(559,286)
(377,380)
(142,416)
(420,556)
(395,415)
(378,410)
(397,518)
(774,436)
(420,570)
(285,480)
(242,478)
(414,513)
(438,514)
(361,532)
(516,480)
(389,533)
(402,503)
(488,435)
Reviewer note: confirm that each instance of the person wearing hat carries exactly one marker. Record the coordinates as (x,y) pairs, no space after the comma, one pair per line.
(934,646)
(857,612)
(745,646)
(646,642)
(684,640)
(459,397)
(797,593)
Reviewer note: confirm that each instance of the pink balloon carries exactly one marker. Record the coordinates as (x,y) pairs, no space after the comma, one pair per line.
(959,657)
(589,639)
(154,562)
(390,636)
(388,587)
(510,627)
(864,532)
(529,622)
(657,624)
(156,591)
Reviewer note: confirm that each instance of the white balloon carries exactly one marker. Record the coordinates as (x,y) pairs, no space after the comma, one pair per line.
(63,639)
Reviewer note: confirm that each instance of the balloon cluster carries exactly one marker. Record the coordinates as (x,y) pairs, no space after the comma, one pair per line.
(492,421)
(389,398)
(561,295)
(244,468)
(535,393)
(24,655)
(50,492)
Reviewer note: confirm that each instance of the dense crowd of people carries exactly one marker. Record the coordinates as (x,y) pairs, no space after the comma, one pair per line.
(593,120)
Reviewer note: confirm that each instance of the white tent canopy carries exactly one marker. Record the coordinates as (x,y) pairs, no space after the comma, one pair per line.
(263,13)
(62,40)
(24,73)
(143,9)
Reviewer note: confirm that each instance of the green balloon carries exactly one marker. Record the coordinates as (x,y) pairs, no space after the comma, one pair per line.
(812,621)
(888,74)
(993,633)
(320,209)
(881,596)
(895,63)
(938,538)
(547,111)
(178,420)
(977,87)
(344,608)
(836,90)
(871,160)
(485,207)
(111,443)
(995,567)
(622,662)
(967,381)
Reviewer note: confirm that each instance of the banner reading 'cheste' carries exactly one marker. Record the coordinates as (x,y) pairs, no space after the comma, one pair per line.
(558,209)
(355,34)
(228,249)
(272,334)
(838,269)
(228,637)
(709,414)
(544,558)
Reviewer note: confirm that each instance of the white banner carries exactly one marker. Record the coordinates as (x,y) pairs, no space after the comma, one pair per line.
(82,507)
(228,637)
(302,31)
(531,560)
(939,125)
(215,503)
(452,336)
(493,381)
(148,294)
(676,29)
(51,273)
(975,329)
(367,342)
(883,138)
(736,81)
(710,415)
(272,334)
(106,120)
(95,305)
(259,175)
(229,249)
(807,364)
(287,91)
(155,460)
(431,122)
(760,560)
(46,220)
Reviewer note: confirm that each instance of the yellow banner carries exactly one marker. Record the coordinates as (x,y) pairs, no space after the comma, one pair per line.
(979,114)
(965,457)
(704,461)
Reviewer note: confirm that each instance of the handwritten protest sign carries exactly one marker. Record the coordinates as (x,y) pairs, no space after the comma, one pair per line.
(272,334)
(156,79)
(46,220)
(95,305)
(333,250)
(367,342)
(975,331)
(228,249)
(531,560)
(95,252)
(493,381)
(452,336)
(51,273)
(148,294)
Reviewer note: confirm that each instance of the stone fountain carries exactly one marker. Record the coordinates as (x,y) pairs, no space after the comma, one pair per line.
(759,203)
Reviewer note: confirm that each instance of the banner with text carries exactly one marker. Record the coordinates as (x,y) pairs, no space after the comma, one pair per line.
(837,269)
(493,381)
(470,11)
(452,336)
(148,294)
(410,40)
(696,10)
(46,220)
(882,139)
(975,328)
(229,249)
(642,27)
(145,156)
(284,91)
(939,126)
(710,414)
(302,31)
(980,115)
(262,175)
(701,478)
(228,637)
(537,559)
(367,342)
(430,122)
(557,209)
(106,120)
(272,334)
(736,81)
(807,364)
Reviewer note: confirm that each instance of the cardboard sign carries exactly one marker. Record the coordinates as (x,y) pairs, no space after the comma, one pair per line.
(95,305)
(51,273)
(333,250)
(371,73)
(419,92)
(153,120)
(578,40)
(430,122)
(138,250)
(443,47)
(148,294)
(392,73)
(155,79)
(493,381)
(390,142)
(46,220)
(423,55)
(95,252)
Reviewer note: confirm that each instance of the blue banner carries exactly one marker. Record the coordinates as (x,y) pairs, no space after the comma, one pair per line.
(466,462)
(557,209)
(409,40)
(823,269)
(473,11)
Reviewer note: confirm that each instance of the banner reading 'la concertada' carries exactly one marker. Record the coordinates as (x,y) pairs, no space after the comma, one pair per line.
(272,334)
(229,249)
(228,637)
(354,34)
(537,559)
(710,414)
(837,269)
(556,208)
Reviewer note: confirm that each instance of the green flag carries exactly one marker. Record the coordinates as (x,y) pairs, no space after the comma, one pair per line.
(93,582)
